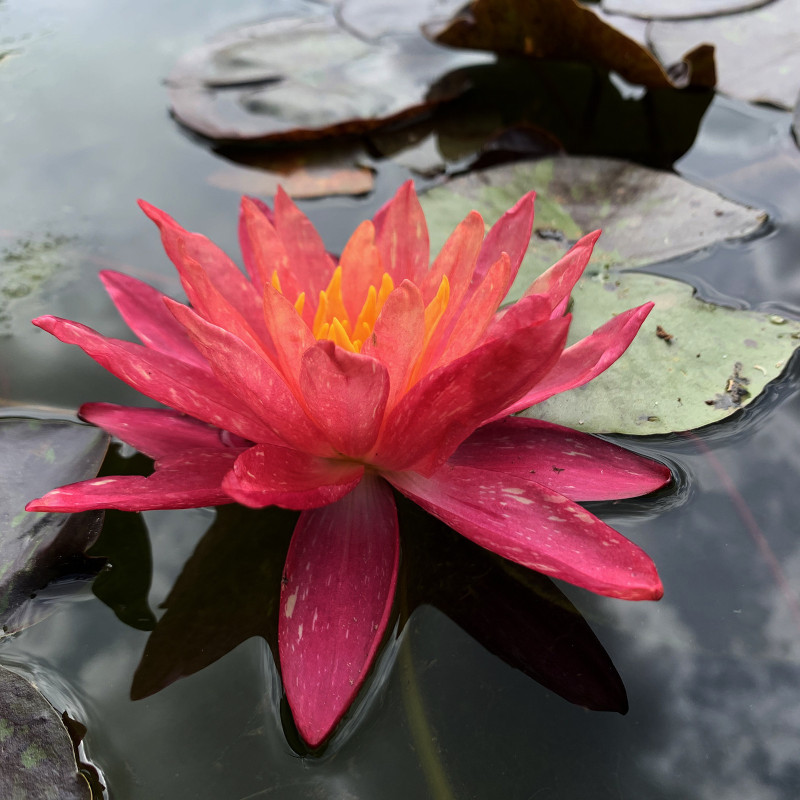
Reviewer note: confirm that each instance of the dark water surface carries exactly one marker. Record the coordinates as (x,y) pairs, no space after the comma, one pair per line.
(712,672)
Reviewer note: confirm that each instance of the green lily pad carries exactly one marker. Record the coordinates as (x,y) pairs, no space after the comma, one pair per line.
(42,554)
(758,58)
(692,363)
(646,215)
(37,760)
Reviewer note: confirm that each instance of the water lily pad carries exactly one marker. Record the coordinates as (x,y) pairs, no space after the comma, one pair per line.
(679,9)
(758,58)
(303,77)
(693,363)
(37,760)
(646,215)
(43,551)
(569,31)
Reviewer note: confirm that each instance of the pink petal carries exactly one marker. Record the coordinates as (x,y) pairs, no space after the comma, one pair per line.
(339,584)
(263,250)
(557,282)
(223,274)
(456,260)
(290,335)
(345,394)
(268,475)
(511,234)
(156,432)
(361,268)
(142,307)
(575,464)
(308,258)
(534,526)
(446,406)
(211,304)
(587,358)
(254,382)
(397,337)
(478,311)
(185,480)
(531,310)
(401,235)
(174,383)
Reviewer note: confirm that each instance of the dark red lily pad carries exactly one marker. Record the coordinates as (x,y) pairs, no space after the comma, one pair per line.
(37,760)
(568,31)
(758,55)
(679,9)
(304,77)
(41,555)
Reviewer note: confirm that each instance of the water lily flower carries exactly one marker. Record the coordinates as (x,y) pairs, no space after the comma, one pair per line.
(318,385)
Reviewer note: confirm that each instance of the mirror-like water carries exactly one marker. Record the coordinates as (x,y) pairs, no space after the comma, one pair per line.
(711,672)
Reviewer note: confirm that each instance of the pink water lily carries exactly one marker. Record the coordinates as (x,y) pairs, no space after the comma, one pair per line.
(317,384)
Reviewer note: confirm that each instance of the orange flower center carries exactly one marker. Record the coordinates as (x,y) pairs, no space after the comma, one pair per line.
(332,320)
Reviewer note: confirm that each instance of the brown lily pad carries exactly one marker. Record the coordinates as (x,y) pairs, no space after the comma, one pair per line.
(568,31)
(304,77)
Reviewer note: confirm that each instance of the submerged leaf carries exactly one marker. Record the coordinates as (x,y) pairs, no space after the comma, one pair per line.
(37,760)
(37,549)
(568,31)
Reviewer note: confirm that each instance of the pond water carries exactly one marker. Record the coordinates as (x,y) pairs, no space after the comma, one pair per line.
(711,672)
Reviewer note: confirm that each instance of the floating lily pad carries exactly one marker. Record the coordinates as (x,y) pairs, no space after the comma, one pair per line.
(569,31)
(37,760)
(646,215)
(681,372)
(300,78)
(679,9)
(758,57)
(41,551)
(692,363)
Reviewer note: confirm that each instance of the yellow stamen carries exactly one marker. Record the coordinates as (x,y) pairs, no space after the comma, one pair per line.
(300,303)
(339,336)
(276,281)
(436,308)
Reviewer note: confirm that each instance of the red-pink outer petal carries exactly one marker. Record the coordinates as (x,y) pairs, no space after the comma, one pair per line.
(156,432)
(586,359)
(174,383)
(339,583)
(575,464)
(269,475)
(184,480)
(536,527)
(142,307)
(440,411)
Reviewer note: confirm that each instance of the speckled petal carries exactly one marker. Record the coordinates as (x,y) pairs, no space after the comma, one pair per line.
(336,599)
